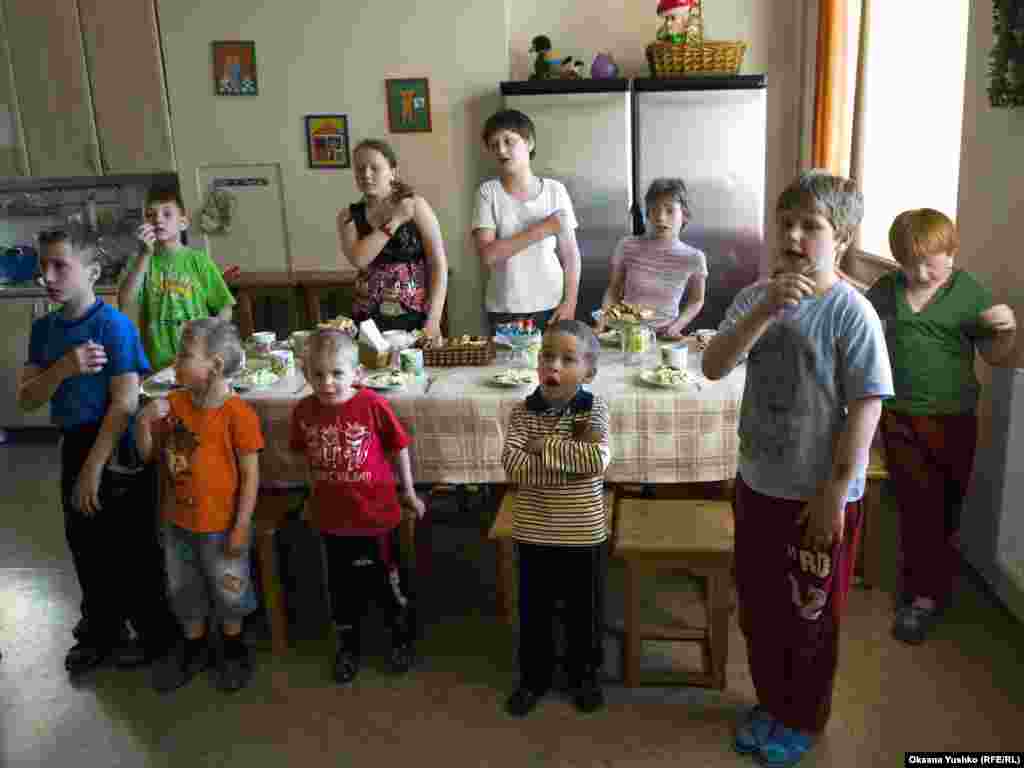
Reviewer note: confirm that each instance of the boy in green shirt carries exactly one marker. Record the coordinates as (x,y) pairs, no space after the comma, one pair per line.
(935,317)
(169,283)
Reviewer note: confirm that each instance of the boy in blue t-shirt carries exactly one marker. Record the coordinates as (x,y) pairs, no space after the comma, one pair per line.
(817,372)
(86,360)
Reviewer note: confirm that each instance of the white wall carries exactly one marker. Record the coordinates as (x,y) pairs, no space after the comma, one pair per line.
(324,57)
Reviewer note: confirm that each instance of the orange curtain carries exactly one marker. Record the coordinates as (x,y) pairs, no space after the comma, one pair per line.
(830,102)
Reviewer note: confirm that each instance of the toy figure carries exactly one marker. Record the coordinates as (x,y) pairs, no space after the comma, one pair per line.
(676,14)
(547,64)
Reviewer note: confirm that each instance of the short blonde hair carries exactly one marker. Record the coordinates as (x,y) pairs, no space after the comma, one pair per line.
(330,341)
(922,232)
(220,337)
(838,198)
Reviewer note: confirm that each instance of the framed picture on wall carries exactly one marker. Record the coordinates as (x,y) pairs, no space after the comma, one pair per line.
(408,105)
(234,68)
(327,141)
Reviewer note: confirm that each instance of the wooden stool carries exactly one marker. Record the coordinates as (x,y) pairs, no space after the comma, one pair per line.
(696,535)
(272,511)
(869,559)
(501,533)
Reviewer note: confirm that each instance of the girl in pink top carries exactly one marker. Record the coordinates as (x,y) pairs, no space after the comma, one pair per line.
(655,270)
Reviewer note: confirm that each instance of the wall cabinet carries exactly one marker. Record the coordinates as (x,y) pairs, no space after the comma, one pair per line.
(88,78)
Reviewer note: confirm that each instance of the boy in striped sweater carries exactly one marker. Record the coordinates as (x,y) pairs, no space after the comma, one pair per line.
(557,451)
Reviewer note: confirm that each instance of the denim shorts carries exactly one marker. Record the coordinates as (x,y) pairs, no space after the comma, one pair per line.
(202,581)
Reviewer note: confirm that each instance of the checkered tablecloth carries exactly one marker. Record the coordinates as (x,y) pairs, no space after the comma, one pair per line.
(457,418)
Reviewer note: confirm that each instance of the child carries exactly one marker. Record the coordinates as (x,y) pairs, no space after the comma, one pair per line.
(657,269)
(934,318)
(518,223)
(393,237)
(170,284)
(86,360)
(557,451)
(817,370)
(208,441)
(347,436)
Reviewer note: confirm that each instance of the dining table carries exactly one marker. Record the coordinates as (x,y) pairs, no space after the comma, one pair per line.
(458,416)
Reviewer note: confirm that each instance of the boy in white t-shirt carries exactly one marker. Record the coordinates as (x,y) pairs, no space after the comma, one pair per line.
(523,227)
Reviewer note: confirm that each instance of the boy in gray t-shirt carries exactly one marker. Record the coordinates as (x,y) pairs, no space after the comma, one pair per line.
(817,371)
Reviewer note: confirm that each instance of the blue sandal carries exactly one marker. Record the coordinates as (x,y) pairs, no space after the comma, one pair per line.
(753,731)
(785,747)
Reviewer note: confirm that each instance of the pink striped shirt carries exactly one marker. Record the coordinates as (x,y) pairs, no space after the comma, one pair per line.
(656,273)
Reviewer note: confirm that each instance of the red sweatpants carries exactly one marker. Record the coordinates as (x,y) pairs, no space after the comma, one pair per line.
(790,603)
(930,460)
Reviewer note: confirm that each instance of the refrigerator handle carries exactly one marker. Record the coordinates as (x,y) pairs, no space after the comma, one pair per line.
(637,210)
(638,218)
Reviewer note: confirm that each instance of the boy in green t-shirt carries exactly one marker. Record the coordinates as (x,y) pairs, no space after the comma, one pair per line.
(169,283)
(935,318)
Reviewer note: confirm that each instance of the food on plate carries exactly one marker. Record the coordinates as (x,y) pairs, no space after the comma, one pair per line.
(253,378)
(609,337)
(340,323)
(386,379)
(671,377)
(624,312)
(513,377)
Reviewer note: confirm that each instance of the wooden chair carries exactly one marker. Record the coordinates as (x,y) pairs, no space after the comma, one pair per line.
(273,508)
(249,287)
(869,558)
(697,535)
(501,534)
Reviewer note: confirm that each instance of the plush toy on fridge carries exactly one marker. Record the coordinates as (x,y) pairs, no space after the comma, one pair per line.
(676,14)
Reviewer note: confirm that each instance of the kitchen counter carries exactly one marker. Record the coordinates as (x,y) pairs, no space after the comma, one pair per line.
(33,291)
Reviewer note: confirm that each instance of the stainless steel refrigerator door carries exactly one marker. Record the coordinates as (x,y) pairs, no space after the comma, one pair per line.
(715,140)
(583,140)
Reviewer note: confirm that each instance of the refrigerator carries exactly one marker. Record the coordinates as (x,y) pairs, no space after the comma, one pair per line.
(607,139)
(991,526)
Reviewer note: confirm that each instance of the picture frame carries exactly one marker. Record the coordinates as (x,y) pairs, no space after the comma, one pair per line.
(408,102)
(234,68)
(327,144)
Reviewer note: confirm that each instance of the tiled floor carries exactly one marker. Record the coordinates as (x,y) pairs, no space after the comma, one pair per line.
(962,690)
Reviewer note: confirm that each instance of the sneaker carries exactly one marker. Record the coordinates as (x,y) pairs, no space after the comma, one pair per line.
(346,659)
(86,655)
(522,702)
(785,747)
(588,697)
(913,623)
(753,730)
(235,670)
(186,660)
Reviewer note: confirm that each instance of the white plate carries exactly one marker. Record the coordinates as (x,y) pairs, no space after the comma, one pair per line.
(650,377)
(241,383)
(512,380)
(384,381)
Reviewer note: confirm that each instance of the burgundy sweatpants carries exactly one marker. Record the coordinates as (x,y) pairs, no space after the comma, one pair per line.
(929,460)
(790,603)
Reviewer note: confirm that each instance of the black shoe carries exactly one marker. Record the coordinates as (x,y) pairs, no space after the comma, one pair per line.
(588,697)
(402,650)
(522,702)
(346,660)
(236,667)
(185,661)
(86,655)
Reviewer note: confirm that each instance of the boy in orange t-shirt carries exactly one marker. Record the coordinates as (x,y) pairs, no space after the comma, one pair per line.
(208,441)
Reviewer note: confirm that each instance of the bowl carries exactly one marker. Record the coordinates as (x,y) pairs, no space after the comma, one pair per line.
(262,341)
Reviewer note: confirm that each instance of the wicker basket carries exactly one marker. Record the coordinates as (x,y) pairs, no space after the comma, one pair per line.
(459,354)
(696,55)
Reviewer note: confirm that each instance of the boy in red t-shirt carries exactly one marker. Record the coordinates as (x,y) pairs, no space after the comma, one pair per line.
(350,439)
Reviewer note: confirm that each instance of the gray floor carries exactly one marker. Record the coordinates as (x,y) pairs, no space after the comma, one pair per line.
(962,690)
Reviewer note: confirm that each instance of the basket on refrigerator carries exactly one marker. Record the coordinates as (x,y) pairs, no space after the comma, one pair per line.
(696,55)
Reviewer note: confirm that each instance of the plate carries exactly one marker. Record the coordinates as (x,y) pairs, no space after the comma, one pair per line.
(650,377)
(512,378)
(385,380)
(254,378)
(610,338)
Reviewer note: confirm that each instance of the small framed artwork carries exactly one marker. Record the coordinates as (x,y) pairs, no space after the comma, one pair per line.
(327,141)
(234,68)
(408,105)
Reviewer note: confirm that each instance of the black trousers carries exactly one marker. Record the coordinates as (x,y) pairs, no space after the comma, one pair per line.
(116,553)
(573,576)
(360,570)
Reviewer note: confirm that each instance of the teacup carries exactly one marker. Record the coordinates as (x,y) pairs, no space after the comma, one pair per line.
(674,355)
(262,341)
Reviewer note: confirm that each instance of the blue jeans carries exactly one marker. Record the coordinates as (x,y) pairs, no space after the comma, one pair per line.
(202,580)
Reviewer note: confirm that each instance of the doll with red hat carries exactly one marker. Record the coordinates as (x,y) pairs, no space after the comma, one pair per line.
(676,14)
